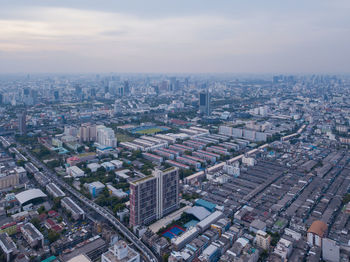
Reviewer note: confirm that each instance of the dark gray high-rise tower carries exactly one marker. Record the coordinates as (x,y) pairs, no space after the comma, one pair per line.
(22,125)
(204,102)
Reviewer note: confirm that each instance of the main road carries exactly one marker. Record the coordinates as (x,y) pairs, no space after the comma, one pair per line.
(100,210)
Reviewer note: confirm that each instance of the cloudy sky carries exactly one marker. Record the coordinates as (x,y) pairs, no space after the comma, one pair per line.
(175,36)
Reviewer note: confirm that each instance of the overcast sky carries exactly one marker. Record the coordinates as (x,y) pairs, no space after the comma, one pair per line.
(175,36)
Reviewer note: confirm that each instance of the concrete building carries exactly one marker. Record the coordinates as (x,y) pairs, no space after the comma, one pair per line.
(263,240)
(54,190)
(73,208)
(283,249)
(7,246)
(87,132)
(330,250)
(316,232)
(120,252)
(95,188)
(116,192)
(106,136)
(7,181)
(22,124)
(257,225)
(154,196)
(180,241)
(93,167)
(118,164)
(75,172)
(32,235)
(20,171)
(204,102)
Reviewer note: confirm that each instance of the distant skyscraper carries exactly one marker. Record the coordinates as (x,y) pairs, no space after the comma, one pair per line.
(121,91)
(22,125)
(172,83)
(154,196)
(34,95)
(56,95)
(78,91)
(126,88)
(26,91)
(204,102)
(93,92)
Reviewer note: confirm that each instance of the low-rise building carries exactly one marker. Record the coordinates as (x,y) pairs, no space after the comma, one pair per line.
(32,235)
(75,172)
(54,190)
(120,252)
(116,192)
(283,249)
(316,232)
(95,188)
(118,164)
(7,246)
(93,167)
(73,208)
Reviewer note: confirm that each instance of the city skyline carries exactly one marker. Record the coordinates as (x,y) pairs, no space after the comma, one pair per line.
(181,37)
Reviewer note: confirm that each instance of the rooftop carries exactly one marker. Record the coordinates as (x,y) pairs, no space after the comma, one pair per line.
(29,195)
(318,227)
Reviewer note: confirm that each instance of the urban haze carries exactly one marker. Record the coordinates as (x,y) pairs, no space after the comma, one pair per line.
(174,131)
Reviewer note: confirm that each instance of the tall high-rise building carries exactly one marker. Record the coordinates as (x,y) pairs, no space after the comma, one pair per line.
(87,132)
(78,91)
(154,196)
(105,136)
(204,102)
(22,124)
(106,89)
(56,95)
(126,88)
(93,92)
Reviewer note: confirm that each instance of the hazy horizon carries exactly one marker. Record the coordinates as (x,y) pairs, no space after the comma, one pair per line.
(182,37)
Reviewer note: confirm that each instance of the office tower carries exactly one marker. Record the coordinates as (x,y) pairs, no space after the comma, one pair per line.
(126,88)
(22,125)
(187,82)
(1,99)
(156,89)
(164,86)
(121,91)
(34,96)
(78,91)
(26,91)
(105,136)
(106,89)
(204,102)
(93,92)
(154,196)
(172,83)
(56,95)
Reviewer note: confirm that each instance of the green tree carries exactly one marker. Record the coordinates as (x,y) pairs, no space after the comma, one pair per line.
(41,209)
(53,236)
